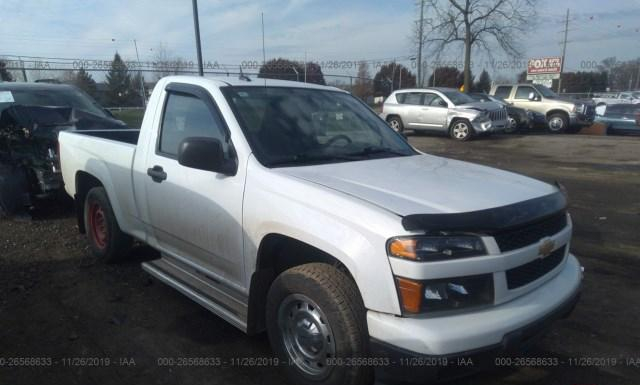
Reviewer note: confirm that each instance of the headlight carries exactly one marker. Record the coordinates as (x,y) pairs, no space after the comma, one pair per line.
(481,117)
(578,107)
(445,294)
(437,248)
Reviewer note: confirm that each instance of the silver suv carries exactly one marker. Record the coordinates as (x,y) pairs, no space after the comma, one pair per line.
(444,110)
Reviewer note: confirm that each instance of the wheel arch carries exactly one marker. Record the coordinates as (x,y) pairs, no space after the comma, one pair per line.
(276,253)
(84,183)
(557,111)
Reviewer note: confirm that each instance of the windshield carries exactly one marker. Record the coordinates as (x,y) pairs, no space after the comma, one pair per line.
(546,92)
(458,97)
(61,97)
(636,95)
(297,126)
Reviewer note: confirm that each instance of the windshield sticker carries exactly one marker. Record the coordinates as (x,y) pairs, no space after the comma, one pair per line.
(6,97)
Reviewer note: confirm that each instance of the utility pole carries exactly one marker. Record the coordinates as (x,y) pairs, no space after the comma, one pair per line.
(143,93)
(196,26)
(564,50)
(264,53)
(305,66)
(421,31)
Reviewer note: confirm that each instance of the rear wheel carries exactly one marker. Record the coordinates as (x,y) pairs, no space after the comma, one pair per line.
(106,240)
(315,319)
(461,130)
(558,123)
(396,123)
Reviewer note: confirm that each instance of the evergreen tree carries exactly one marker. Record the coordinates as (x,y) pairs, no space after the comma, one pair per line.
(484,83)
(392,73)
(119,86)
(85,82)
(5,75)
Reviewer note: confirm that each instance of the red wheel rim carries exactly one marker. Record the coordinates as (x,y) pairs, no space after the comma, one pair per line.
(98,225)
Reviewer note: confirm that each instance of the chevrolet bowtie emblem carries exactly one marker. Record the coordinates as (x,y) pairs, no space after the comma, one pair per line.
(546,247)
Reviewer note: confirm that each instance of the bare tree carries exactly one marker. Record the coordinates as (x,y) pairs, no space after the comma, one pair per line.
(477,23)
(166,64)
(363,85)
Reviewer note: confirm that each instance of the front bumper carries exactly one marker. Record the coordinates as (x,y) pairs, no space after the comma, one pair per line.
(483,334)
(577,119)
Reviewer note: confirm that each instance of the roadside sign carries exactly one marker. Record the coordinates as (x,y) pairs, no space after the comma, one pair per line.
(544,65)
(543,77)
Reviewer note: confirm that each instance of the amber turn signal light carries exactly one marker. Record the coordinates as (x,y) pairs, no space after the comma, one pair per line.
(404,248)
(410,294)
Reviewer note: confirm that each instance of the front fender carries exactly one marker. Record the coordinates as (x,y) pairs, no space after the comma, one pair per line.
(340,227)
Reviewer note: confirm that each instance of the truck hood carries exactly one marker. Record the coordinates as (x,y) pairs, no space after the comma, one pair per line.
(424,184)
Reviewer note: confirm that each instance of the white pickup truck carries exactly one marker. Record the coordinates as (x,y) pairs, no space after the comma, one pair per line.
(293,208)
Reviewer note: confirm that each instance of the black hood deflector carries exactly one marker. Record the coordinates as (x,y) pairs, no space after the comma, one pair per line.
(489,220)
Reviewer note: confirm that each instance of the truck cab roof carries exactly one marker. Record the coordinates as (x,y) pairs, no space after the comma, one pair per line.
(234,81)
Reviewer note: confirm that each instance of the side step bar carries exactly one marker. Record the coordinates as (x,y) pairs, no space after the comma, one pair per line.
(201,288)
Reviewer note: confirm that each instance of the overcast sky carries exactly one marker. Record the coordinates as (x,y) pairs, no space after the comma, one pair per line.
(326,29)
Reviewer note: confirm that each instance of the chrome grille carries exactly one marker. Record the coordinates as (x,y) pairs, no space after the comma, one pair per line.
(498,115)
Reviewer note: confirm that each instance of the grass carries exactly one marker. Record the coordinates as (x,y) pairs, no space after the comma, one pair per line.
(133,118)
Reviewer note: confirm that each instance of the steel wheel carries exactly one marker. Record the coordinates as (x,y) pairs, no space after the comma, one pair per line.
(556,123)
(98,225)
(306,334)
(460,131)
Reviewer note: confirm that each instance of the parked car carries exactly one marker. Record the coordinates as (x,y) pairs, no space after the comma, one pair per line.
(517,117)
(444,110)
(561,113)
(292,208)
(627,97)
(31,116)
(621,119)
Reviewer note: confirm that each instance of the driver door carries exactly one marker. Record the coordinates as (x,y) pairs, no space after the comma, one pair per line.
(434,112)
(521,99)
(194,214)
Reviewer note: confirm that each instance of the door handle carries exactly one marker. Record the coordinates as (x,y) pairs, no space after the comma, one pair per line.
(157,174)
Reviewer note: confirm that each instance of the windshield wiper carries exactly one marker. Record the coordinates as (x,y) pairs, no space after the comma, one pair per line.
(372,150)
(307,158)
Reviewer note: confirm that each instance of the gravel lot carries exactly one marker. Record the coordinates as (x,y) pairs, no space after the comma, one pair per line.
(57,302)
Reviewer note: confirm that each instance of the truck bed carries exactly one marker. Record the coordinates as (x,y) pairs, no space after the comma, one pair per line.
(108,156)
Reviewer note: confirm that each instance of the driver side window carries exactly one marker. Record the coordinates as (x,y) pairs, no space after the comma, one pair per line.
(523,93)
(438,102)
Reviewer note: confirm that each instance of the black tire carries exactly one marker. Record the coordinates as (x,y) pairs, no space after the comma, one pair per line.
(396,123)
(557,123)
(514,124)
(338,304)
(456,130)
(106,241)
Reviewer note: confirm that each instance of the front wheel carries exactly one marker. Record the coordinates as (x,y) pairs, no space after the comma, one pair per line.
(512,124)
(316,325)
(106,240)
(461,130)
(558,123)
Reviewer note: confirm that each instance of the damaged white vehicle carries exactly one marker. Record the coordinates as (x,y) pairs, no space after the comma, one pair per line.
(293,208)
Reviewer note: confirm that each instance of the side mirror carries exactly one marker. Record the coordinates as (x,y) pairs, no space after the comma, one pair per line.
(205,154)
(532,96)
(442,103)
